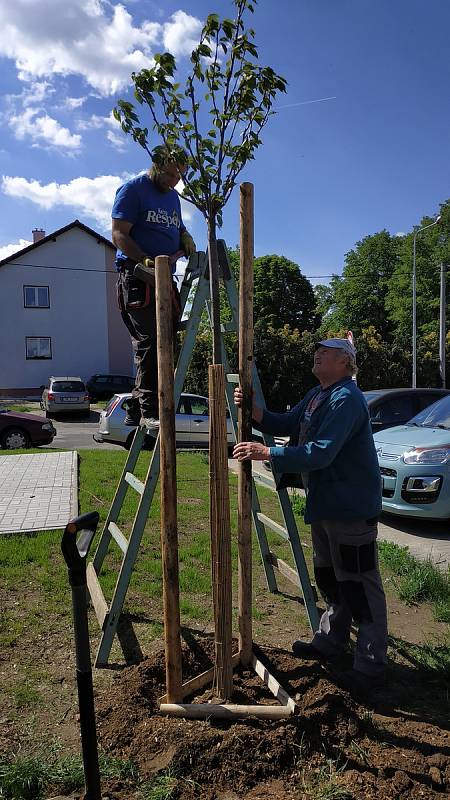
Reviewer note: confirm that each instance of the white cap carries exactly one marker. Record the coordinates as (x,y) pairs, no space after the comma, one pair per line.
(342,344)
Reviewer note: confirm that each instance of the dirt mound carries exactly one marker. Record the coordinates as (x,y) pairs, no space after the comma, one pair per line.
(356,751)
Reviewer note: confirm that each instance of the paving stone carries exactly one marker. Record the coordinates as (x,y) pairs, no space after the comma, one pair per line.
(38,491)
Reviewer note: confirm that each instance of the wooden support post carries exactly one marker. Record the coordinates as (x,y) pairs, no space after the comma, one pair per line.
(220,530)
(245,421)
(168,477)
(207,710)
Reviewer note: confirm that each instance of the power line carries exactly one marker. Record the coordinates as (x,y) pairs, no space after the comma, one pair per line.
(177,274)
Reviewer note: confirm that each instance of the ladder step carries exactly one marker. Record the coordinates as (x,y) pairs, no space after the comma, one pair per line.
(274,526)
(134,482)
(97,596)
(289,573)
(117,534)
(285,569)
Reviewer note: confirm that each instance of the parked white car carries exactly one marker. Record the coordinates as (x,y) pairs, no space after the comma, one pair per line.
(65,394)
(191,423)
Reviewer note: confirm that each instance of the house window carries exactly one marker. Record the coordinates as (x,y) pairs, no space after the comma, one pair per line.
(36,297)
(38,346)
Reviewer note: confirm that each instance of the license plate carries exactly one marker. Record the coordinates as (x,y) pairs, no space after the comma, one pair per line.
(70,400)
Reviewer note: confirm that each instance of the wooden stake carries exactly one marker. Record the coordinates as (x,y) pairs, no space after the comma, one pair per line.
(168,476)
(245,421)
(220,530)
(207,710)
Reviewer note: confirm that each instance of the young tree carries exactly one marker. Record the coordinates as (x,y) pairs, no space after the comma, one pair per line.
(240,93)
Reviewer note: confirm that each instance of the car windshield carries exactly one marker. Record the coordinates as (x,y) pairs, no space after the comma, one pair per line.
(68,386)
(371,396)
(434,416)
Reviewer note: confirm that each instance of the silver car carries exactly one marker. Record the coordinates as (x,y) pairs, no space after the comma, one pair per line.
(64,394)
(191,423)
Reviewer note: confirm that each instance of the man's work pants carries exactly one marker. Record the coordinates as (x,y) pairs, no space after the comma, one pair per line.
(348,577)
(141,323)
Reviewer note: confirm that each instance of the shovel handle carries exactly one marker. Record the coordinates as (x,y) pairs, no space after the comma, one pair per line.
(75,549)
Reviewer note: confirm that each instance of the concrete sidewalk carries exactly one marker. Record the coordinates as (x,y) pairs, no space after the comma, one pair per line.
(38,491)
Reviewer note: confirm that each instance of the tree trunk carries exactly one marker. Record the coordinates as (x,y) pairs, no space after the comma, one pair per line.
(214,289)
(245,421)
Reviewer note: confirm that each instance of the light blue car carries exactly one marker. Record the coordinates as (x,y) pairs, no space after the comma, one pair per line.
(414,461)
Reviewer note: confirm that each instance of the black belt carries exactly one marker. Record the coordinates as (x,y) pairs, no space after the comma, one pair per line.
(126,264)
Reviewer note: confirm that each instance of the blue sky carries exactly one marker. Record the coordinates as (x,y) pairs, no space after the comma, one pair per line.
(329,172)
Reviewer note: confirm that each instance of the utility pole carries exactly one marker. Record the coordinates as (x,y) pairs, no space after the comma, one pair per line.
(442,324)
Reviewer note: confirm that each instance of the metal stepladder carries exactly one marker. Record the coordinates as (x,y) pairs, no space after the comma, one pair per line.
(109,615)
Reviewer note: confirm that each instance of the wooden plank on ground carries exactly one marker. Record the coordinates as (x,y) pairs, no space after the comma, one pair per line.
(97,596)
(273,685)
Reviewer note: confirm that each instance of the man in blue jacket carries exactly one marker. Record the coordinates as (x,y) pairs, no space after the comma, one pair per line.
(331,446)
(147,222)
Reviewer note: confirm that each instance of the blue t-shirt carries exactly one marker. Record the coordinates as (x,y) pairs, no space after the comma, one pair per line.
(155,215)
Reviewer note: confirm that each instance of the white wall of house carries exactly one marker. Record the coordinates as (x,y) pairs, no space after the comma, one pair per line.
(86,331)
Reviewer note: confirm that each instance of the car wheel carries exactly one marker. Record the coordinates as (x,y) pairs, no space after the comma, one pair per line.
(15,438)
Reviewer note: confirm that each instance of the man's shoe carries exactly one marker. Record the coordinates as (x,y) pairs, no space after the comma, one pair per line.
(151,423)
(357,683)
(308,650)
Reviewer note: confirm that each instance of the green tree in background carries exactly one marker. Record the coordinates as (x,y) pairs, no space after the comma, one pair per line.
(284,360)
(359,296)
(282,295)
(432,249)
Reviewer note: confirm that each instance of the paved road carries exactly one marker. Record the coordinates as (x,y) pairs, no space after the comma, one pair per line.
(76,434)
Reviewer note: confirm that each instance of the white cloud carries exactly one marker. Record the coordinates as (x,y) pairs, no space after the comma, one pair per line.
(95,39)
(400,234)
(74,102)
(8,249)
(181,34)
(43,130)
(92,197)
(115,135)
(118,142)
(50,37)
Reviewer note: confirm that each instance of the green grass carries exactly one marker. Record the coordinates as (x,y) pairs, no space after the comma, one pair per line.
(21,407)
(162,787)
(417,581)
(25,694)
(30,778)
(323,784)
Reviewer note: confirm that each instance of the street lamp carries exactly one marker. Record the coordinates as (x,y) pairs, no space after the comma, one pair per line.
(414,315)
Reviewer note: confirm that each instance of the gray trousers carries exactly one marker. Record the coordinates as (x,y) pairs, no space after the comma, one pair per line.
(348,578)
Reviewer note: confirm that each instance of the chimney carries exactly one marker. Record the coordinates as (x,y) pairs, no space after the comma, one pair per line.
(38,234)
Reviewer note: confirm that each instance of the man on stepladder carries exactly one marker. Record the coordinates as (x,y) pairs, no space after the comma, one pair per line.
(332,447)
(147,222)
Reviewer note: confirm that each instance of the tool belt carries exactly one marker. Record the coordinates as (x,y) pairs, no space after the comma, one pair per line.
(138,287)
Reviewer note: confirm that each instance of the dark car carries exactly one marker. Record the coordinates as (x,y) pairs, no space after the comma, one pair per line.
(18,429)
(103,387)
(389,407)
